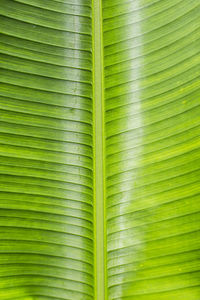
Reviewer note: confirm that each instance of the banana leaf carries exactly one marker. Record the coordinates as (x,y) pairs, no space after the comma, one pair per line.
(99,149)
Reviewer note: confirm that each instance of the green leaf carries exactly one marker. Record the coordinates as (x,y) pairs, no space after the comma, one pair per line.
(46,151)
(151,55)
(99,149)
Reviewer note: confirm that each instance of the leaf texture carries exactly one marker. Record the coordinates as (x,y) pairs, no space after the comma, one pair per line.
(46,224)
(49,140)
(152,57)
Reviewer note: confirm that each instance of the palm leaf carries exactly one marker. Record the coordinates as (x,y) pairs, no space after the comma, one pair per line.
(99,149)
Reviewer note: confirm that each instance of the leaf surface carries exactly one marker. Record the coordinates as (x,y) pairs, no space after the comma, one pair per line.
(99,149)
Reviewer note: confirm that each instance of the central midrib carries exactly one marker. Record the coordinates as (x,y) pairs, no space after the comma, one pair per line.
(99,205)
